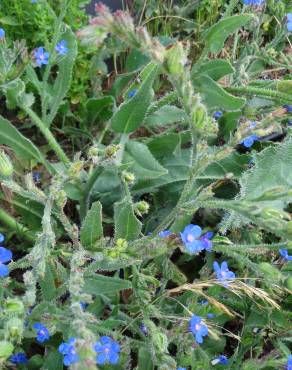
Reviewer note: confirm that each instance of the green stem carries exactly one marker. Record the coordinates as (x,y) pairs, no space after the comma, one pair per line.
(48,135)
(9,221)
(268,93)
(84,203)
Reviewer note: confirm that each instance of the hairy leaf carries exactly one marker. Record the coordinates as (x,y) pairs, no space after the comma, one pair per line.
(127,226)
(91,229)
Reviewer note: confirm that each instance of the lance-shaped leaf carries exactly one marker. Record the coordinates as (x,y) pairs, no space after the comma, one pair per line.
(91,229)
(215,96)
(22,147)
(218,33)
(216,69)
(141,162)
(127,226)
(132,112)
(100,284)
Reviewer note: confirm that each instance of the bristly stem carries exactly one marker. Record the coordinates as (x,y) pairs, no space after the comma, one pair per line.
(257,91)
(48,135)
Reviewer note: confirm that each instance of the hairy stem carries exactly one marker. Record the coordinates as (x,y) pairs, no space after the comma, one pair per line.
(9,221)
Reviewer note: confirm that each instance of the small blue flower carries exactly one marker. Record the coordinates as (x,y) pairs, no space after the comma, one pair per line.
(41,56)
(2,238)
(217,115)
(164,233)
(61,47)
(5,256)
(33,1)
(289,363)
(223,273)
(18,358)
(42,332)
(198,328)
(36,176)
(181,368)
(132,93)
(204,302)
(254,2)
(193,241)
(107,351)
(83,305)
(221,359)
(210,315)
(2,34)
(144,329)
(285,255)
(289,22)
(248,141)
(69,352)
(288,108)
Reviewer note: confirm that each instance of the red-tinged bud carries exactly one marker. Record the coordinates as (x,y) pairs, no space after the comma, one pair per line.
(101,8)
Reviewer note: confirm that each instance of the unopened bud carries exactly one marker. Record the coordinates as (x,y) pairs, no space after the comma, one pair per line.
(176,59)
(6,168)
(142,207)
(76,168)
(111,150)
(129,177)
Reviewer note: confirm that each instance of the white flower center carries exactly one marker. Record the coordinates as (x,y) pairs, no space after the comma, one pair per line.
(190,238)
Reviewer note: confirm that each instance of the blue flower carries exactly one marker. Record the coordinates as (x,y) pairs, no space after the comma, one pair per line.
(69,352)
(221,359)
(42,332)
(210,315)
(288,108)
(181,368)
(193,241)
(217,115)
(36,176)
(223,273)
(61,47)
(18,358)
(2,238)
(5,256)
(248,141)
(289,363)
(83,305)
(41,56)
(2,34)
(164,233)
(107,351)
(144,329)
(132,93)
(33,1)
(204,302)
(198,329)
(285,255)
(254,2)
(289,22)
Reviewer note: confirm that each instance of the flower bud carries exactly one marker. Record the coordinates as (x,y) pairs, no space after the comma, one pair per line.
(176,59)
(111,150)
(6,168)
(129,177)
(142,208)
(14,327)
(14,306)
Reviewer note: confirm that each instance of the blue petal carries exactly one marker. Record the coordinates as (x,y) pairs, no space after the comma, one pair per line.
(105,340)
(195,246)
(113,358)
(101,359)
(4,270)
(5,255)
(199,338)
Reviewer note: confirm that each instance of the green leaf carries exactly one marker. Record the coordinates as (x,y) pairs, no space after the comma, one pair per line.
(63,81)
(132,112)
(54,360)
(6,349)
(165,116)
(100,109)
(218,33)
(127,226)
(215,96)
(272,169)
(91,229)
(23,147)
(100,284)
(145,359)
(141,162)
(47,284)
(215,69)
